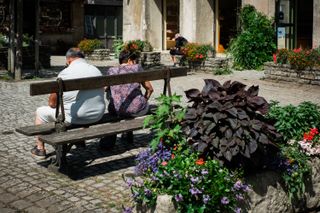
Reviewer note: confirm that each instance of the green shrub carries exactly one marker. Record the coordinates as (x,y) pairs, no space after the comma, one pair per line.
(117,47)
(292,121)
(4,41)
(88,45)
(256,42)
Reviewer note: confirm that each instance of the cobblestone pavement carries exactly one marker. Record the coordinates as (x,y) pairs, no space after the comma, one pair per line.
(96,184)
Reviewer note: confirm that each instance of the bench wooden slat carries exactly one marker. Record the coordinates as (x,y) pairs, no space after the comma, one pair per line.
(99,82)
(48,128)
(37,129)
(98,131)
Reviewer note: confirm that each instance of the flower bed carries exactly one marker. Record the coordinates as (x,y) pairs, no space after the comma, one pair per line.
(284,72)
(267,194)
(296,65)
(228,151)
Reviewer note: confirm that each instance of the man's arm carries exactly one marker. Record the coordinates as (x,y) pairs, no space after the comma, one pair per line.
(52,102)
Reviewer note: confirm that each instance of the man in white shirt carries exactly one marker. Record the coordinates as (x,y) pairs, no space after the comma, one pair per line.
(81,106)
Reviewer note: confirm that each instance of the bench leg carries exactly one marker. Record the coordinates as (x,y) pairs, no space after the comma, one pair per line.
(108,142)
(59,163)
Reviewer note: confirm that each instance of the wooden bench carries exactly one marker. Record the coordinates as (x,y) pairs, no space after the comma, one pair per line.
(63,138)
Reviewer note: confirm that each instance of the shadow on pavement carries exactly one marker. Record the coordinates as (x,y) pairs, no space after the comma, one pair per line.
(93,161)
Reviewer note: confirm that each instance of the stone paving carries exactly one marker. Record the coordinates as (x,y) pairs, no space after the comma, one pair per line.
(96,183)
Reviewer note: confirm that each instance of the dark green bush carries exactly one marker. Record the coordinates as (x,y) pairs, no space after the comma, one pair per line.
(292,121)
(256,42)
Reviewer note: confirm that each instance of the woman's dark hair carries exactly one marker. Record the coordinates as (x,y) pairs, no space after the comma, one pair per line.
(125,55)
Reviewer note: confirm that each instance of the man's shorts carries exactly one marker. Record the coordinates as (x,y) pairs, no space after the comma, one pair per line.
(46,114)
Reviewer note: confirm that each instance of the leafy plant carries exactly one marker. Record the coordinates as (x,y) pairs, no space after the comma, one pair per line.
(195,185)
(88,45)
(256,42)
(225,70)
(226,122)
(4,41)
(117,47)
(295,170)
(300,59)
(196,52)
(282,56)
(292,121)
(166,121)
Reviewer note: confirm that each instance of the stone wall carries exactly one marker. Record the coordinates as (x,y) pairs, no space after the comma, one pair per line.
(99,55)
(285,73)
(150,59)
(267,195)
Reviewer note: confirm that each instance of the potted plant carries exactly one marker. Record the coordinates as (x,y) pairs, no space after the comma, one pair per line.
(196,54)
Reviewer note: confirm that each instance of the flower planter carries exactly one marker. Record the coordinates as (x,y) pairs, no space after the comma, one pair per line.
(149,59)
(195,64)
(267,194)
(284,72)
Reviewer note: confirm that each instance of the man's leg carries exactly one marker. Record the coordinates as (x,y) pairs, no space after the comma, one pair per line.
(44,114)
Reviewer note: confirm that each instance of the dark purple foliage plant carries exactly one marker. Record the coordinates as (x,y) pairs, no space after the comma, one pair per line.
(227,122)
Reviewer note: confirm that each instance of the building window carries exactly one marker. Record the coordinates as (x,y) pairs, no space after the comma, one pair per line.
(103,21)
(55,17)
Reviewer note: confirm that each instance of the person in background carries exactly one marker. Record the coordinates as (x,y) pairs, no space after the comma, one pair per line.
(80,106)
(176,50)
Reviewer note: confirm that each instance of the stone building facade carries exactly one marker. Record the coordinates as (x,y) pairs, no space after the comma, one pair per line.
(216,21)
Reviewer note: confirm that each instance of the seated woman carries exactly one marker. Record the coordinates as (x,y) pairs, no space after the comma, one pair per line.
(127,100)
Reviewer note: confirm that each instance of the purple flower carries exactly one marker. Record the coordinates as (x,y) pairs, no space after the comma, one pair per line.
(194,180)
(206,199)
(127,210)
(245,188)
(238,185)
(204,172)
(129,182)
(225,200)
(238,210)
(178,197)
(239,197)
(195,191)
(147,192)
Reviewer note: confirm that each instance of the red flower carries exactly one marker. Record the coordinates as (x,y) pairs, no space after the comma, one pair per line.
(274,58)
(172,156)
(164,163)
(314,131)
(200,161)
(297,50)
(201,56)
(308,137)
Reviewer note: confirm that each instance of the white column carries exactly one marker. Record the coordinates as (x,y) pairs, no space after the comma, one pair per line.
(316,24)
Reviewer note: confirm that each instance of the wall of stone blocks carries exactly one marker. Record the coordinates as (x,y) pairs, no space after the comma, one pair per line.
(285,73)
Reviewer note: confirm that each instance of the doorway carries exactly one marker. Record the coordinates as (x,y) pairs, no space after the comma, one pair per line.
(226,21)
(170,22)
(294,23)
(304,24)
